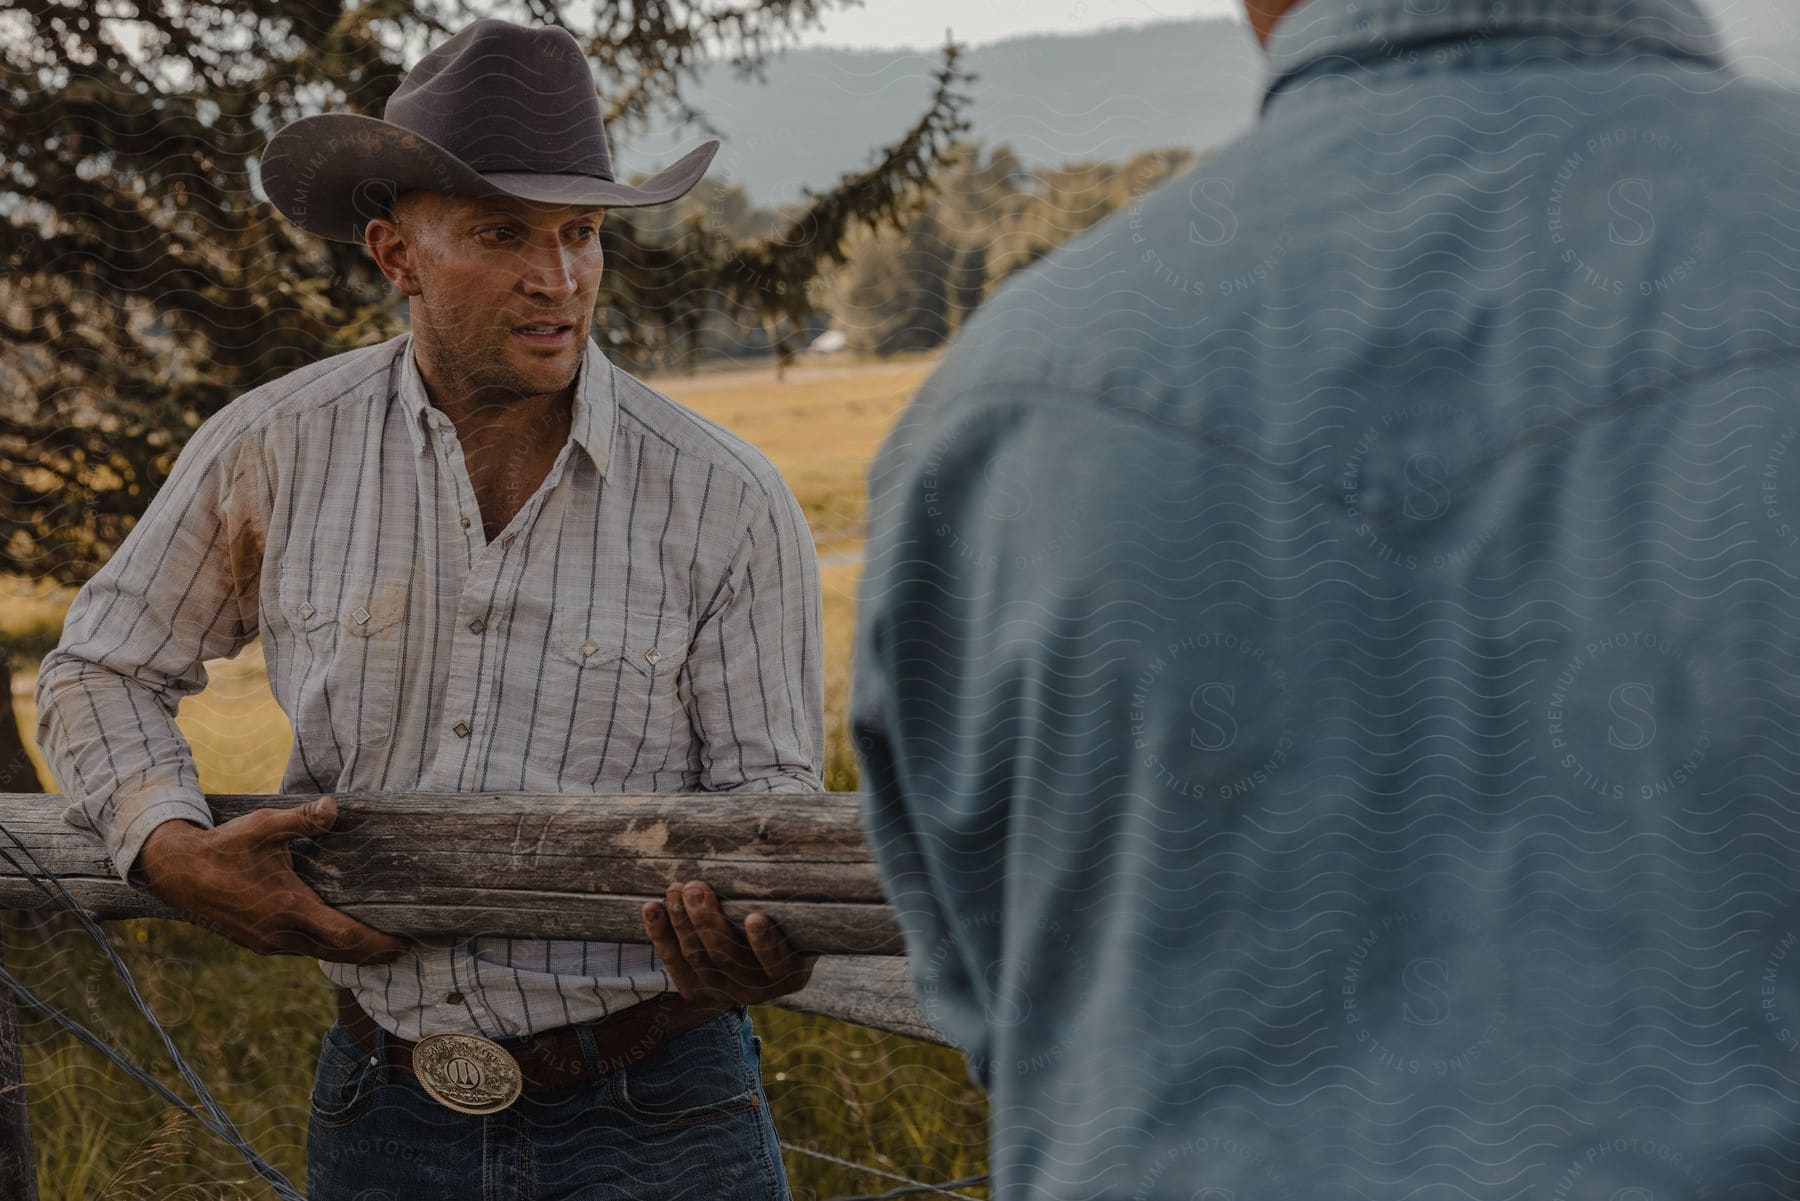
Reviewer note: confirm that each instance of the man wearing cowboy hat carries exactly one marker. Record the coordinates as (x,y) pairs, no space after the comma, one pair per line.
(480,558)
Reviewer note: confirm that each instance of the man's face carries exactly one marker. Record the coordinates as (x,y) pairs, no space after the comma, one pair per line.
(502,290)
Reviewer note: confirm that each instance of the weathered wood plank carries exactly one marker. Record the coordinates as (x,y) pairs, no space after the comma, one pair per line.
(431,865)
(865,991)
(463,864)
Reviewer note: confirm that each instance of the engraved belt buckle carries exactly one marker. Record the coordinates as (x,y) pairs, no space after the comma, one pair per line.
(467,1073)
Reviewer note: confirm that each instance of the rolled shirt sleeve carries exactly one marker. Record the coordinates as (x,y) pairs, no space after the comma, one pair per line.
(179,590)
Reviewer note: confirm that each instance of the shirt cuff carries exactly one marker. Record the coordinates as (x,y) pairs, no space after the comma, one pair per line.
(136,818)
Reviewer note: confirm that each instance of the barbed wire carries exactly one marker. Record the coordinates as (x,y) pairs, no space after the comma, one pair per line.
(215,1118)
(913,1187)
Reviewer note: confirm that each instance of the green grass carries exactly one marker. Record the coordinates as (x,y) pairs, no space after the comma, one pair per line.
(251,1025)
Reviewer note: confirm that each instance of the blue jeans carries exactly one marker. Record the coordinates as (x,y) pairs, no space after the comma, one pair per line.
(689,1122)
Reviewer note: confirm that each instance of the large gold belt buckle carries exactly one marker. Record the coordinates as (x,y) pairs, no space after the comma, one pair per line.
(467,1073)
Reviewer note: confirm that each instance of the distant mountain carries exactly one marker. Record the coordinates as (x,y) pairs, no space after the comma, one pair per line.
(1053,99)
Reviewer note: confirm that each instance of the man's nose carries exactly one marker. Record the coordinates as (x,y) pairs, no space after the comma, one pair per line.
(550,271)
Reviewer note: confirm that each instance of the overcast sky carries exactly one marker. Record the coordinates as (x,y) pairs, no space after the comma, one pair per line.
(921,23)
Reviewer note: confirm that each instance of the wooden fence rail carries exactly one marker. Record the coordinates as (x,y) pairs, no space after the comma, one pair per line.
(535,866)
(531,865)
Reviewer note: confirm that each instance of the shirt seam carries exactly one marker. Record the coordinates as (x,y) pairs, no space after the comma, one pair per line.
(1665,388)
(287,404)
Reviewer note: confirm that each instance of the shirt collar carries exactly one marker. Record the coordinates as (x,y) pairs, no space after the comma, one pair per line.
(1317,30)
(591,427)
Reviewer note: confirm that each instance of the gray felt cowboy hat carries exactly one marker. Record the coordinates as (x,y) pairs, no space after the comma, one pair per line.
(499,109)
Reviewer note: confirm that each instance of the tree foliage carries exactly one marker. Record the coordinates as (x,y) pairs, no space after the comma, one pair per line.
(988,217)
(148,282)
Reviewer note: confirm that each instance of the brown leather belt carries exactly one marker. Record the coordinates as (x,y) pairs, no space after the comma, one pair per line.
(553,1059)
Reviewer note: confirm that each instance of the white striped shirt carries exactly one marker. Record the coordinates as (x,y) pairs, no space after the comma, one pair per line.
(648,622)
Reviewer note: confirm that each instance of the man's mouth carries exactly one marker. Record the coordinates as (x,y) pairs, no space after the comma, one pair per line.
(544,335)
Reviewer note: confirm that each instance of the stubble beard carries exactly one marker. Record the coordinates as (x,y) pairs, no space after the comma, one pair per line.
(483,368)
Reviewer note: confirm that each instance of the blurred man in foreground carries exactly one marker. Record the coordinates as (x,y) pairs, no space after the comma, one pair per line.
(1329,648)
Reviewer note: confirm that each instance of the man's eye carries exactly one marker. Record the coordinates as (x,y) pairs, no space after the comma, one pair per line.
(587,233)
(496,234)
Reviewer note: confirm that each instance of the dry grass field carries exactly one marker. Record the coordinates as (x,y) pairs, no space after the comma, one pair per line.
(251,1025)
(820,425)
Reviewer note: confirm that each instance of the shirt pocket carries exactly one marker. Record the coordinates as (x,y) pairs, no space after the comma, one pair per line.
(701,1075)
(616,677)
(346,654)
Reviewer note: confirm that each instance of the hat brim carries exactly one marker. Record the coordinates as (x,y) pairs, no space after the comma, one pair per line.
(333,173)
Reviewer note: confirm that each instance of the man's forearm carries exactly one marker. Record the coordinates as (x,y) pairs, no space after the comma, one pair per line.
(113,745)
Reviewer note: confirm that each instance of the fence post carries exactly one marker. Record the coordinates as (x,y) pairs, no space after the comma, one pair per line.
(18,1162)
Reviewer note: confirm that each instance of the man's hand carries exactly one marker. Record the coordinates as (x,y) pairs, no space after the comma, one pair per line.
(709,959)
(238,880)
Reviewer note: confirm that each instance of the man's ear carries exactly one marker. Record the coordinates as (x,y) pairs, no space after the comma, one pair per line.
(393,251)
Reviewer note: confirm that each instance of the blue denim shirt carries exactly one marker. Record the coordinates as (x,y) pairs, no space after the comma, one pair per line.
(1329,657)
